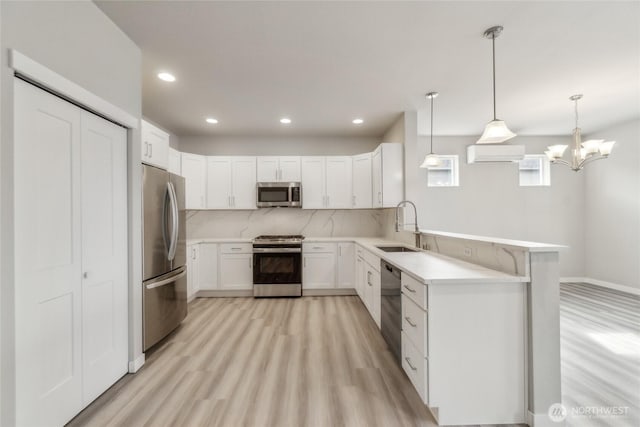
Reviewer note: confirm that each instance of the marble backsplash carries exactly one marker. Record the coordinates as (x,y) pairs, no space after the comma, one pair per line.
(317,223)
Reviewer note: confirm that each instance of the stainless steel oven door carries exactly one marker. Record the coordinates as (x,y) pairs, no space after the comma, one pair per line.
(273,266)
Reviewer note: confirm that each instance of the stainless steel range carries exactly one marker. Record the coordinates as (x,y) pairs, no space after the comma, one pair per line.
(277,266)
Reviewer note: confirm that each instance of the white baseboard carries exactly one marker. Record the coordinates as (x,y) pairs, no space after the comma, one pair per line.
(604,284)
(224,294)
(135,365)
(542,420)
(328,292)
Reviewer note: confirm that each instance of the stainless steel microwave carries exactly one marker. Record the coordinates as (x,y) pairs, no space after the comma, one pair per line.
(279,195)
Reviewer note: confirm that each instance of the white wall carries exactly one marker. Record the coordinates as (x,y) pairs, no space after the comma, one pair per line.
(277,145)
(76,40)
(490,202)
(612,208)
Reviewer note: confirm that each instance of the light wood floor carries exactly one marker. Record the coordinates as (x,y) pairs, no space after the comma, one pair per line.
(600,347)
(312,361)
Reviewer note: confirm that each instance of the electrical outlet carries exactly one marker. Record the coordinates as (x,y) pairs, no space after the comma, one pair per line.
(468,252)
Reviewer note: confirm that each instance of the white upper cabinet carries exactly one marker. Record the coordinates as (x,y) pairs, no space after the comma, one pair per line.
(290,169)
(387,175)
(278,169)
(338,176)
(362,183)
(218,182)
(243,182)
(174,161)
(194,171)
(326,182)
(313,183)
(155,145)
(231,182)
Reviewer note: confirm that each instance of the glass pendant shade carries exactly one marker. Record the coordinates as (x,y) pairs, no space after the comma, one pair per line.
(430,161)
(606,147)
(592,146)
(557,151)
(495,132)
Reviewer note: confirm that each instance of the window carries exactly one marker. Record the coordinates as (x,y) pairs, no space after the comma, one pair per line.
(445,175)
(534,171)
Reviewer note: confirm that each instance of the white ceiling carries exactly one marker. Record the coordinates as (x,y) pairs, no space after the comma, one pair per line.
(325,63)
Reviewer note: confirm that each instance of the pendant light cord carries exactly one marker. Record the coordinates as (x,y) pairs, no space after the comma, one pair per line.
(493,45)
(431,149)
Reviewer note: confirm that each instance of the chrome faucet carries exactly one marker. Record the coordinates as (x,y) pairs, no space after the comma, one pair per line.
(415,219)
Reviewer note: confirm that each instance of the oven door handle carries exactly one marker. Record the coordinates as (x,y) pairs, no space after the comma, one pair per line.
(276,250)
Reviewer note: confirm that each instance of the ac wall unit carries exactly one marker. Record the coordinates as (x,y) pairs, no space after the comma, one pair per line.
(494,153)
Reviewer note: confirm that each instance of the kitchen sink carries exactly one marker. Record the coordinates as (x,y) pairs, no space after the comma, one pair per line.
(396,249)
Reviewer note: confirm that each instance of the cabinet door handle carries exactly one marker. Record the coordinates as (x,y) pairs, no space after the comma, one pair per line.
(233,201)
(369,278)
(229,201)
(410,365)
(304,264)
(379,196)
(236,249)
(150,150)
(353,200)
(146,149)
(339,250)
(193,253)
(409,289)
(317,247)
(408,319)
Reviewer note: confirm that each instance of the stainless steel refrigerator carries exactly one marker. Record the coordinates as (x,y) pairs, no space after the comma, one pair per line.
(164,254)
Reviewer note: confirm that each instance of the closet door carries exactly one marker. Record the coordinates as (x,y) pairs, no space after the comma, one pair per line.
(104,254)
(47,257)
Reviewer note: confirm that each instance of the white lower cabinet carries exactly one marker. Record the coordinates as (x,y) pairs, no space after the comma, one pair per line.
(236,266)
(318,265)
(346,265)
(457,338)
(208,267)
(193,270)
(368,281)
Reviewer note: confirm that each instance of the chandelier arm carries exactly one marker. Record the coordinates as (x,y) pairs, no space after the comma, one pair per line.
(593,158)
(561,162)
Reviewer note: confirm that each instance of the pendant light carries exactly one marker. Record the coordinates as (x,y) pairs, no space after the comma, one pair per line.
(431,160)
(496,130)
(583,152)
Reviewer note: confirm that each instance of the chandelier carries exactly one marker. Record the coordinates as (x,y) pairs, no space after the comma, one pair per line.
(583,152)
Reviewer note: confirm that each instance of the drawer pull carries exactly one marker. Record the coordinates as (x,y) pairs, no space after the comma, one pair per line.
(408,319)
(410,289)
(317,247)
(236,249)
(410,365)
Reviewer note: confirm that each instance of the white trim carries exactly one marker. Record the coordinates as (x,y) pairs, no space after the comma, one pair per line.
(591,281)
(54,81)
(542,420)
(135,365)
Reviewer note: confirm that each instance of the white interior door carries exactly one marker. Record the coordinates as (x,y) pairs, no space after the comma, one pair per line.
(104,254)
(47,258)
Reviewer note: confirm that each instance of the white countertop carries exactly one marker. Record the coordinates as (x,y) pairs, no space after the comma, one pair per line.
(530,246)
(433,268)
(425,266)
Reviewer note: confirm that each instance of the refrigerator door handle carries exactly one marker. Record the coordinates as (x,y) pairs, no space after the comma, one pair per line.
(174,221)
(168,280)
(165,207)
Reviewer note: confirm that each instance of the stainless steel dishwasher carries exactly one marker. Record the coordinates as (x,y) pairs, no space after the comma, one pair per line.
(391,307)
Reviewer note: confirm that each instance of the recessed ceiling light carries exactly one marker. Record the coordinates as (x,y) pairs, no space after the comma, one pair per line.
(357,121)
(211,120)
(167,77)
(285,120)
